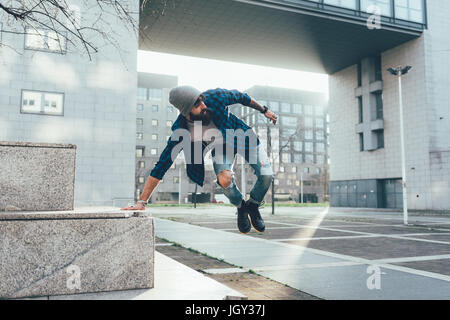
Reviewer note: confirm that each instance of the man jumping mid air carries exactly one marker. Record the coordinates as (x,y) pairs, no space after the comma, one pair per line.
(201,114)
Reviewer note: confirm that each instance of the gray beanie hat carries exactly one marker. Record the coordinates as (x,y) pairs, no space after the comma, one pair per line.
(183,98)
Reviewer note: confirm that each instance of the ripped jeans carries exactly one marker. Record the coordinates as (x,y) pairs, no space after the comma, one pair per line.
(262,170)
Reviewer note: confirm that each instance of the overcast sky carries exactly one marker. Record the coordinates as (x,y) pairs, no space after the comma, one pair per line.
(206,73)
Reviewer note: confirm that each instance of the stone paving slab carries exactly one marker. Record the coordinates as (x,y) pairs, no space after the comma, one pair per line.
(350,283)
(437,237)
(377,248)
(297,233)
(389,230)
(237,249)
(438,266)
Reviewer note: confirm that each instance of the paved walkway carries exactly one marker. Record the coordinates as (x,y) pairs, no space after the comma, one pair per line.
(331,254)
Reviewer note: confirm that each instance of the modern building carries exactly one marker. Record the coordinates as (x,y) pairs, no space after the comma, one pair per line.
(53,92)
(298,145)
(154,119)
(365,150)
(354,42)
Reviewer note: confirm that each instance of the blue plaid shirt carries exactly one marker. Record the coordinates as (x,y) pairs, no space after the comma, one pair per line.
(216,100)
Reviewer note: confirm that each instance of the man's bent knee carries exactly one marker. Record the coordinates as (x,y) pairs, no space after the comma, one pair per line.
(225,178)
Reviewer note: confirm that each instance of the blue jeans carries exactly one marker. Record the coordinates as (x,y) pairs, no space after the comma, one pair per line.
(261,168)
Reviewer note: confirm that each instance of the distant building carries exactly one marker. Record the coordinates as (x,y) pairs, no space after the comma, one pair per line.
(299,142)
(51,93)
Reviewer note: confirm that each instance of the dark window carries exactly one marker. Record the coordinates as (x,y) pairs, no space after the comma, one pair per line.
(359,74)
(379,101)
(360,109)
(361,142)
(378,69)
(380,138)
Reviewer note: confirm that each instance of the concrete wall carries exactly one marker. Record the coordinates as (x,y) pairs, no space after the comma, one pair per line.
(99,107)
(426,117)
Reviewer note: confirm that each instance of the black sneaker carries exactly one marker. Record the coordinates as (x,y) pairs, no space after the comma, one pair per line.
(255,216)
(243,221)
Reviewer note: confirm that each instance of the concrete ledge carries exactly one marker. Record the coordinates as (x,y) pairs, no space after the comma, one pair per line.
(56,253)
(173,281)
(37,176)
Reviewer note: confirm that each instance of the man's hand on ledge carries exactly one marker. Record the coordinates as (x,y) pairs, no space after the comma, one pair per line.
(137,206)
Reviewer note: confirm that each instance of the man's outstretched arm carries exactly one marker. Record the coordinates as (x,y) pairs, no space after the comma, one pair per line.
(150,186)
(268,114)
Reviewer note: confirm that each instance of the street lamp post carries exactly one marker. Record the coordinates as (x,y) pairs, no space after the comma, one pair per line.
(301,187)
(399,72)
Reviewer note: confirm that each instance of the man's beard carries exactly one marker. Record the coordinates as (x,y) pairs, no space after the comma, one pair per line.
(205,117)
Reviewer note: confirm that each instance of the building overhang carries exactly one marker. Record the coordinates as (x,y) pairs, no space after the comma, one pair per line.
(271,33)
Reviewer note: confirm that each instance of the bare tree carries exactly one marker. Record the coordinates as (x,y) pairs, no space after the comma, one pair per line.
(66,26)
(272,154)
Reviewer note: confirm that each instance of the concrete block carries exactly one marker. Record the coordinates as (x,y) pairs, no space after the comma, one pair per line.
(70,252)
(37,176)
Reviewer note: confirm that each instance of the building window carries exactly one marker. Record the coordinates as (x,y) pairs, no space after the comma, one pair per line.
(320,135)
(141,164)
(361,142)
(139,121)
(309,122)
(170,109)
(46,40)
(360,110)
(309,109)
(141,94)
(309,158)
(38,102)
(309,134)
(141,179)
(294,169)
(410,10)
(154,137)
(285,157)
(359,74)
(380,138)
(320,147)
(140,107)
(351,4)
(305,170)
(139,135)
(285,107)
(155,94)
(298,157)
(319,159)
(281,169)
(319,123)
(288,121)
(298,146)
(176,180)
(379,105)
(169,123)
(318,171)
(154,152)
(309,147)
(276,182)
(274,106)
(154,122)
(383,5)
(155,108)
(297,108)
(378,69)
(140,152)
